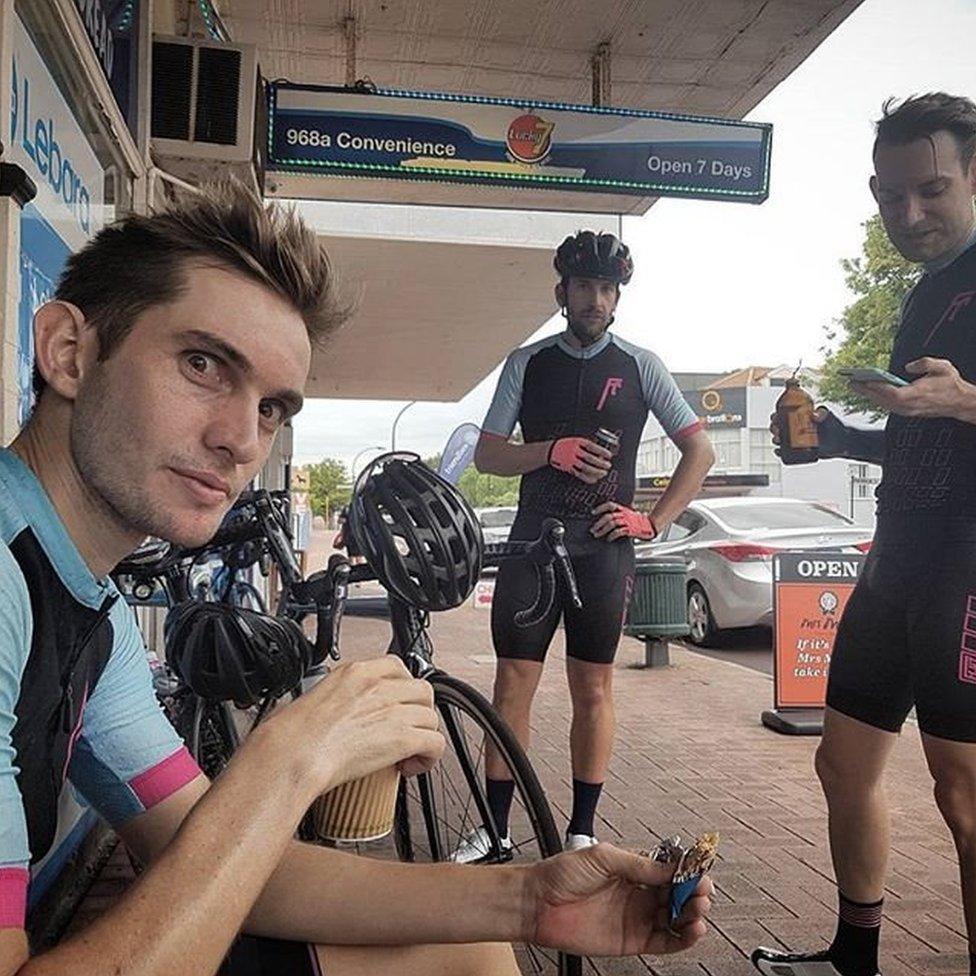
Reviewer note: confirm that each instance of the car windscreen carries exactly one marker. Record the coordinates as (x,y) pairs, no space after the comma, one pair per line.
(791,515)
(497,520)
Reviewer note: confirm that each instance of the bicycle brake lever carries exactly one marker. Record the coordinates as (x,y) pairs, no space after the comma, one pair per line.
(340,590)
(543,603)
(556,536)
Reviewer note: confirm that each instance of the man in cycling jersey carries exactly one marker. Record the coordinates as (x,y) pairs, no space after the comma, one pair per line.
(561,391)
(175,348)
(908,635)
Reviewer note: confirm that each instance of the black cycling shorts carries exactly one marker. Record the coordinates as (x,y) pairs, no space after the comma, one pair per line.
(908,636)
(255,956)
(605,575)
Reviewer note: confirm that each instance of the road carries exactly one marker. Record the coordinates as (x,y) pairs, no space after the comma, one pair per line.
(750,646)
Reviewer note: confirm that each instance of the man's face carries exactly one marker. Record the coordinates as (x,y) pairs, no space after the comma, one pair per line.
(925,196)
(590,304)
(170,428)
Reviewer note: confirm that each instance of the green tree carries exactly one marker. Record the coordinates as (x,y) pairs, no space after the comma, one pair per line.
(863,335)
(483,490)
(328,486)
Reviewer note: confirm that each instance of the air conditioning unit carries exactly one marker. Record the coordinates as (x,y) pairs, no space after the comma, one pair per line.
(207,107)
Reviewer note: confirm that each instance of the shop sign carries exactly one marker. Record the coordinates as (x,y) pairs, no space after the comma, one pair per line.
(810,591)
(719,408)
(110,26)
(460,138)
(46,140)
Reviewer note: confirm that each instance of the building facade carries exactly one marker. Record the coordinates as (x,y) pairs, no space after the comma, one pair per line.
(736,409)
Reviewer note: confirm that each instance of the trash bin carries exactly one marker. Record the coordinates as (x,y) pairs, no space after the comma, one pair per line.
(658,607)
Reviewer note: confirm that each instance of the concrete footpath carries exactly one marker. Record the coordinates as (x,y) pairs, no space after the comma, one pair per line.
(692,756)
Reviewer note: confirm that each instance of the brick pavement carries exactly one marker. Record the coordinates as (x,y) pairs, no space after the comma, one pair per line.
(692,755)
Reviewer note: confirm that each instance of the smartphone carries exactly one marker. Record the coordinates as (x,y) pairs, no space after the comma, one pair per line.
(871,374)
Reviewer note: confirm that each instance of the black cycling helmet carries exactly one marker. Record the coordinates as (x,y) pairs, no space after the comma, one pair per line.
(589,255)
(229,653)
(417,532)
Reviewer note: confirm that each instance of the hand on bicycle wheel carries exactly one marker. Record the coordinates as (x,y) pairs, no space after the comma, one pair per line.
(604,901)
(361,718)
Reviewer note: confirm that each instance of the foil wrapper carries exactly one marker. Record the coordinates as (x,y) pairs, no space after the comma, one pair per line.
(690,863)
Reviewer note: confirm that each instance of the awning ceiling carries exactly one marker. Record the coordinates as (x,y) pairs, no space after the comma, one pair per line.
(435,317)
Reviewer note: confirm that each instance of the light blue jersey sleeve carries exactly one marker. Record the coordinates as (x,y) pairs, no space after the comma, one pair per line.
(661,394)
(15,641)
(128,757)
(503,413)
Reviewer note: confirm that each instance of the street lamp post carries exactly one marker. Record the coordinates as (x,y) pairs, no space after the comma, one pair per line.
(396,420)
(376,447)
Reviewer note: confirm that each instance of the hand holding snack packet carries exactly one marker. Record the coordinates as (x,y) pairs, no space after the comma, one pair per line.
(690,863)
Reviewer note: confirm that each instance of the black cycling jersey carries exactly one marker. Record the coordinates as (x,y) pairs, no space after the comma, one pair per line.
(552,390)
(930,462)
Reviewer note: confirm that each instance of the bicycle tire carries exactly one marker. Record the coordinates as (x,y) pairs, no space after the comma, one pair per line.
(421,802)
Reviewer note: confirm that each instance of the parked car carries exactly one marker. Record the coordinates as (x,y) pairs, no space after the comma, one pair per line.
(496,523)
(730,543)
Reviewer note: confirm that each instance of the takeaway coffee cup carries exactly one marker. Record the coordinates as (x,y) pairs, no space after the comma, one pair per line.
(359,810)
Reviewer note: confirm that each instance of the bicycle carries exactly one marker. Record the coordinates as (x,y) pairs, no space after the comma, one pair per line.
(436,810)
(162,575)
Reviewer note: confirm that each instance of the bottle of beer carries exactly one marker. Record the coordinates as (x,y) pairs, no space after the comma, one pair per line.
(798,441)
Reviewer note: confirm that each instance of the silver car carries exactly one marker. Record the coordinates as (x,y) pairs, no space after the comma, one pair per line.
(496,523)
(730,543)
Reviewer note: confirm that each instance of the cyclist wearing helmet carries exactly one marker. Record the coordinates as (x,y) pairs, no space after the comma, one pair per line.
(175,348)
(561,391)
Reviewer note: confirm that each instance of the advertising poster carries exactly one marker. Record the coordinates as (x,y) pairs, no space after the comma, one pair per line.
(810,591)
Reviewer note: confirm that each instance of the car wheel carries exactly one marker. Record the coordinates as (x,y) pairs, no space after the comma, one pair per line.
(700,618)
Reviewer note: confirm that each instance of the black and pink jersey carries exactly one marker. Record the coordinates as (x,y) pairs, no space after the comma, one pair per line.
(929,469)
(552,390)
(76,697)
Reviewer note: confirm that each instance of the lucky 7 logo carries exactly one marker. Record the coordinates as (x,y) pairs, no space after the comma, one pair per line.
(529,138)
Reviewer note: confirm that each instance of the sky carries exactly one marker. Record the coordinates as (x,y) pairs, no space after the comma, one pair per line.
(719,286)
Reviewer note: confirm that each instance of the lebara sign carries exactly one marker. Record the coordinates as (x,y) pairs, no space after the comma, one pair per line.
(47,141)
(459,138)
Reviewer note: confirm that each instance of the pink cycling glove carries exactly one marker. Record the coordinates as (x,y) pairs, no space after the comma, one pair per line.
(567,453)
(625,523)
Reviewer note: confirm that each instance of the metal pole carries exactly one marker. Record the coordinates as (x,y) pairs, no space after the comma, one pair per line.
(396,420)
(359,455)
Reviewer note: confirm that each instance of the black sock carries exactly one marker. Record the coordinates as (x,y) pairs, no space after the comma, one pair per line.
(972,964)
(500,792)
(854,951)
(585,798)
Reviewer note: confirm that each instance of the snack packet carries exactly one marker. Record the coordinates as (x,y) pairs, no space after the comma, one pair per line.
(690,863)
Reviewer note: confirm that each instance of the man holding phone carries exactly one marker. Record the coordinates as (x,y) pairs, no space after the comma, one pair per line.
(908,635)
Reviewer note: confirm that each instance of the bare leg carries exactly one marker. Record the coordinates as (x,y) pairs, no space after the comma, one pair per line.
(953,767)
(850,762)
(481,959)
(515,686)
(594,721)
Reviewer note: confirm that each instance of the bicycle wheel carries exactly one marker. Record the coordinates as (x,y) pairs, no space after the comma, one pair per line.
(440,810)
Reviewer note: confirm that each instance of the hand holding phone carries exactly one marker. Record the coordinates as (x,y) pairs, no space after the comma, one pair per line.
(871,374)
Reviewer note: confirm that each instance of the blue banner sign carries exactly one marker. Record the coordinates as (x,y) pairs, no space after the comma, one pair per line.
(467,139)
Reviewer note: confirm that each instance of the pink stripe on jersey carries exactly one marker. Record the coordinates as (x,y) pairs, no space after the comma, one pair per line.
(13,897)
(165,778)
(688,431)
